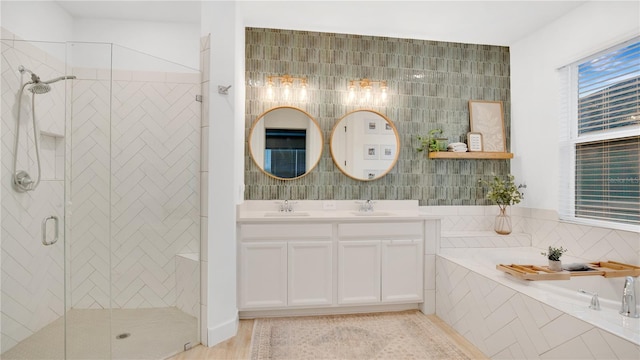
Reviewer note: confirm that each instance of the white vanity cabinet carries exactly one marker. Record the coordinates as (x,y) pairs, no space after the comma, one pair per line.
(310,273)
(380,263)
(263,274)
(359,272)
(333,262)
(285,265)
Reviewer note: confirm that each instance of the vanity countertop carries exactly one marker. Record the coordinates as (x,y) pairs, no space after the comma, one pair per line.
(268,211)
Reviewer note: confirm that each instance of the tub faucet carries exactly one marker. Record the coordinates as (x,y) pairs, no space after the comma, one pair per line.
(595,303)
(629,299)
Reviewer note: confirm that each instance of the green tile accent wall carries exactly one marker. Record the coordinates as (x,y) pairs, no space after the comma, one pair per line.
(430,84)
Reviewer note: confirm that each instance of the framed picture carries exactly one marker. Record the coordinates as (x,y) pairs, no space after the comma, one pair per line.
(487,118)
(371,126)
(371,152)
(387,152)
(387,129)
(474,141)
(370,174)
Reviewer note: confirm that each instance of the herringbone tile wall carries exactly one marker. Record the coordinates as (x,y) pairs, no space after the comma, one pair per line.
(472,226)
(32,274)
(149,157)
(506,324)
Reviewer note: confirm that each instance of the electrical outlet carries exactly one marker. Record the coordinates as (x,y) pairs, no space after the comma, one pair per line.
(329,205)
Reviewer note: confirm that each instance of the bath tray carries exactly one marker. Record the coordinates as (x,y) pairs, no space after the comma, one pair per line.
(601,268)
(533,272)
(612,269)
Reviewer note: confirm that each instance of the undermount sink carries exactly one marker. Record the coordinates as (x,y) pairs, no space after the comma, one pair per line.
(371,213)
(286,213)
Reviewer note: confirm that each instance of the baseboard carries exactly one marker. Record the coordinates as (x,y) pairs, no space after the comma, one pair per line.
(222,332)
(252,314)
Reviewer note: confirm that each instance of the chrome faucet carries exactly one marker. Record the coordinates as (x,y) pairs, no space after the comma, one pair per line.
(286,206)
(629,299)
(366,206)
(595,303)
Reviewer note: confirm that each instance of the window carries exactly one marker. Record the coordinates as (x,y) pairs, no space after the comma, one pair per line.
(600,142)
(285,152)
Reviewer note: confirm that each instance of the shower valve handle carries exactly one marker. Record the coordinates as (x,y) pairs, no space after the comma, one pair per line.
(22,181)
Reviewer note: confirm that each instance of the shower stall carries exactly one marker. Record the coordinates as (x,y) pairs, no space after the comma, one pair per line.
(100,203)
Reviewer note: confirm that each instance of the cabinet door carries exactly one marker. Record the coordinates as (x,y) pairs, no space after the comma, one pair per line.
(310,273)
(402,270)
(263,275)
(358,272)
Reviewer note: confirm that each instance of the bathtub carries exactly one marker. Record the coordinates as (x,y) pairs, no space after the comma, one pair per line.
(506,317)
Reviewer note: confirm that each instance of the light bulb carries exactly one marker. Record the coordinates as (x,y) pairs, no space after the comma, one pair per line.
(367,93)
(270,87)
(352,91)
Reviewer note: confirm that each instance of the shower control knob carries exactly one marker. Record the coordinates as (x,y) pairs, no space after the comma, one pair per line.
(22,181)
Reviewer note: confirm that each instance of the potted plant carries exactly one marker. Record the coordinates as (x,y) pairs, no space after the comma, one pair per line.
(503,193)
(554,254)
(433,142)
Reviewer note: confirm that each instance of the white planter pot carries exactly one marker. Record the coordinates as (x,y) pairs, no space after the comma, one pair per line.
(555,265)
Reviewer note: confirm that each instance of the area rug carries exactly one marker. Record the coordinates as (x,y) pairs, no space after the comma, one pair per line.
(401,335)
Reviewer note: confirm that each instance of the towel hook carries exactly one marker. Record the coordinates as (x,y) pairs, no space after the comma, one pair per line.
(223,90)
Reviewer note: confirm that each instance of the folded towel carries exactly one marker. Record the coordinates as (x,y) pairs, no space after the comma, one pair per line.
(577,267)
(457,147)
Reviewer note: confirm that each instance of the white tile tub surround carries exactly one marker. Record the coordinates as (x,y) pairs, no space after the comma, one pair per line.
(509,318)
(472,226)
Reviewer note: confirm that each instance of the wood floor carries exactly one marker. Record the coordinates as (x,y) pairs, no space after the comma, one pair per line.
(238,347)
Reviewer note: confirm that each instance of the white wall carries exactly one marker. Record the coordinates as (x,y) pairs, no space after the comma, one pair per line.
(535,98)
(226,141)
(37,20)
(175,42)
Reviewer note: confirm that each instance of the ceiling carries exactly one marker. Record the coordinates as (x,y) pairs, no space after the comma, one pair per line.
(163,11)
(485,22)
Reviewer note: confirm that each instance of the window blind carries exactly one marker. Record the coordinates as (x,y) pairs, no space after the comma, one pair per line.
(608,90)
(607,186)
(600,138)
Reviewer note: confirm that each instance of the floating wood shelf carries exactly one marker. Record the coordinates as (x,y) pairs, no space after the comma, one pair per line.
(602,268)
(469,155)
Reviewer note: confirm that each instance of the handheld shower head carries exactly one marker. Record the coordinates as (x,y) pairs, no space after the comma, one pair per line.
(42,87)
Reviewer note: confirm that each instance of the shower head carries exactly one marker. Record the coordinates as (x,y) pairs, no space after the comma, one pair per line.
(40,88)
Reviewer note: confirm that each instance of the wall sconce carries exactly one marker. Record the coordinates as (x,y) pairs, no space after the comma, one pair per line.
(287,82)
(368,90)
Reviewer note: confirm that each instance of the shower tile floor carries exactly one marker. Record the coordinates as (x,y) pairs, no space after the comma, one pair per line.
(155,333)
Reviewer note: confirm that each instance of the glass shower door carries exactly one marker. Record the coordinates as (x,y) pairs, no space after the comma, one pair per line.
(33,207)
(119,149)
(88,190)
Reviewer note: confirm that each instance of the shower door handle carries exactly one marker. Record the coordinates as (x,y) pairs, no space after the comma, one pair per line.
(44,230)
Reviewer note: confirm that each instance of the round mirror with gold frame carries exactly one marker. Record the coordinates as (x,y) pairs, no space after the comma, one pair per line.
(285,142)
(365,145)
